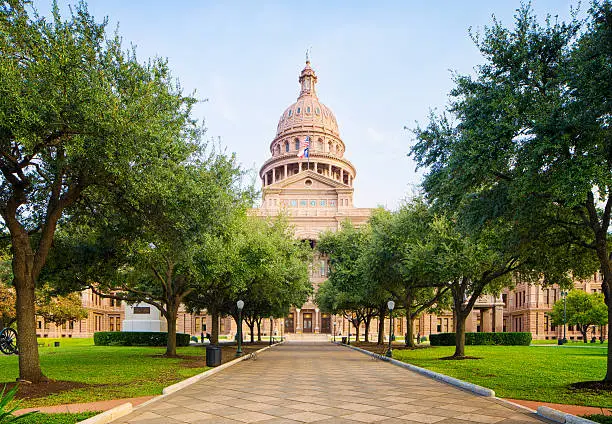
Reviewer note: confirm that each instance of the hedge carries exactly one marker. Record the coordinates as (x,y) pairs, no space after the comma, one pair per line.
(137,338)
(501,339)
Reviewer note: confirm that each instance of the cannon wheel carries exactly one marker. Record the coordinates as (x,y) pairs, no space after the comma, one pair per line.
(8,341)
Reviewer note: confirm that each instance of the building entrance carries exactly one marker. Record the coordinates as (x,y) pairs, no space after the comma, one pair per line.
(307,327)
(289,324)
(325,324)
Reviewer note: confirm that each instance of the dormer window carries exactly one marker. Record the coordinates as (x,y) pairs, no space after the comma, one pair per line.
(308,109)
(290,112)
(317,111)
(297,144)
(298,111)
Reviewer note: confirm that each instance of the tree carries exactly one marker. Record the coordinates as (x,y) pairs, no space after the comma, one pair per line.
(76,112)
(145,248)
(386,259)
(59,309)
(348,291)
(8,314)
(532,131)
(261,263)
(582,310)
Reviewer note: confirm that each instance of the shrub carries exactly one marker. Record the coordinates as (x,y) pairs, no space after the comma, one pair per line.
(137,338)
(499,339)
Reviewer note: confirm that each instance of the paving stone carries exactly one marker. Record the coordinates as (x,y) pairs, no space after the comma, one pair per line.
(323,384)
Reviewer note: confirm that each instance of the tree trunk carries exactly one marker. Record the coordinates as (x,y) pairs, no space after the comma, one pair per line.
(29,361)
(171,320)
(356,324)
(259,330)
(460,336)
(409,329)
(381,327)
(367,322)
(583,330)
(214,331)
(252,331)
(608,377)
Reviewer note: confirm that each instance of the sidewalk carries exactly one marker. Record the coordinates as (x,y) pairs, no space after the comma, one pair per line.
(570,409)
(103,405)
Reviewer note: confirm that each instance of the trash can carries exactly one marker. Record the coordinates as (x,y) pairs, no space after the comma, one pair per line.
(56,344)
(343,339)
(213,356)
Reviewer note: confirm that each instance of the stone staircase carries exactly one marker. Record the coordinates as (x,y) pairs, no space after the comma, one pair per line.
(306,338)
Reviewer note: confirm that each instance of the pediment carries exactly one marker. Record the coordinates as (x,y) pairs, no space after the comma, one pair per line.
(298,181)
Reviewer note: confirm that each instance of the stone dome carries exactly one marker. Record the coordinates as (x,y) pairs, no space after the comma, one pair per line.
(307,112)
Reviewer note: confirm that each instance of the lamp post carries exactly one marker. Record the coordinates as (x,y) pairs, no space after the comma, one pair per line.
(390,305)
(334,331)
(271,324)
(240,305)
(564,296)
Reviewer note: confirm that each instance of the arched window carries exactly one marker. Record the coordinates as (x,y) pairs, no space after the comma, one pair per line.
(290,112)
(329,146)
(286,146)
(308,109)
(298,111)
(278,149)
(320,146)
(297,144)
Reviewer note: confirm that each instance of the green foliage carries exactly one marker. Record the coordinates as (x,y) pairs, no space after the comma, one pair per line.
(137,338)
(582,310)
(598,418)
(501,339)
(6,413)
(59,309)
(62,418)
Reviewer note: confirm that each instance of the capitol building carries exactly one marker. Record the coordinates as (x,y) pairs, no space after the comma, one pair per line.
(308,179)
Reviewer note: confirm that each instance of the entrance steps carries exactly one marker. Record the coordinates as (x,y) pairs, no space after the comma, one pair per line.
(306,338)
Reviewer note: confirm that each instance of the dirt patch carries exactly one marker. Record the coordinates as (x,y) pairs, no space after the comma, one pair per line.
(595,386)
(458,358)
(33,391)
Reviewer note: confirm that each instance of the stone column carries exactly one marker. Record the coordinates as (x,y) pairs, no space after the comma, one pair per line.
(266,179)
(315,167)
(342,175)
(300,165)
(273,175)
(285,171)
(498,319)
(470,324)
(486,318)
(298,324)
(317,315)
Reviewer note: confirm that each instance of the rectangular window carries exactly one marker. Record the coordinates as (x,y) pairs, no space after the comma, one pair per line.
(323,266)
(322,203)
(294,203)
(439,325)
(332,203)
(303,203)
(111,324)
(118,324)
(222,329)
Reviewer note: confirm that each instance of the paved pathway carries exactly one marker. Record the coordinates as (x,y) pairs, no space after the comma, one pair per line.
(323,383)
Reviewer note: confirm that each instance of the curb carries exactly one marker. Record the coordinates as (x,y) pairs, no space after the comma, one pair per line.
(561,417)
(479,390)
(126,408)
(543,411)
(195,378)
(110,415)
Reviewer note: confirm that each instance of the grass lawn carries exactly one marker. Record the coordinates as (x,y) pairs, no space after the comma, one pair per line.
(522,372)
(106,372)
(56,418)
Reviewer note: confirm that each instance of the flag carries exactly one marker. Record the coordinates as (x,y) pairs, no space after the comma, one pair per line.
(304,148)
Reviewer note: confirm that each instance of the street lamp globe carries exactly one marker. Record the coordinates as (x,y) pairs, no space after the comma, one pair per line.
(240,304)
(390,305)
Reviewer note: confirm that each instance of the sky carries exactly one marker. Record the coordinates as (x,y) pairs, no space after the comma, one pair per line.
(381,66)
